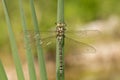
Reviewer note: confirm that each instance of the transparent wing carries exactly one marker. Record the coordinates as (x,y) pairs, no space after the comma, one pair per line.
(43,34)
(71,45)
(77,55)
(83,33)
(76,47)
(49,41)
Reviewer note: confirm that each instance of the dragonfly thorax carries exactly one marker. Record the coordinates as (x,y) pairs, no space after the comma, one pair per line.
(60,29)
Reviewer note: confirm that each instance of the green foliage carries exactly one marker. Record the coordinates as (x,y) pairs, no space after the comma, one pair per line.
(29,55)
(41,61)
(13,44)
(3,75)
(31,67)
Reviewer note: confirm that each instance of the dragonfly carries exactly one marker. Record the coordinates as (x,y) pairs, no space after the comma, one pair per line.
(64,42)
(72,46)
(48,38)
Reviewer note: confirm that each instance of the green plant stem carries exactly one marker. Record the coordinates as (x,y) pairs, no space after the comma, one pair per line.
(31,67)
(16,58)
(60,11)
(59,47)
(41,60)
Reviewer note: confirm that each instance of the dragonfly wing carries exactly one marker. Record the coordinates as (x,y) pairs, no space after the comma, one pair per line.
(43,34)
(48,41)
(83,33)
(74,46)
(75,56)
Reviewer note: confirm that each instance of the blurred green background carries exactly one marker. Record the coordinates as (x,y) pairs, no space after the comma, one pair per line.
(103,15)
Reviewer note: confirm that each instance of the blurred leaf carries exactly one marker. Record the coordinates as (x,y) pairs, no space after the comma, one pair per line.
(29,54)
(3,75)
(13,44)
(41,60)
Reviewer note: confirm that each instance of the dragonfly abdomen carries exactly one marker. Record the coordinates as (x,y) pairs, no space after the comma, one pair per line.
(60,58)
